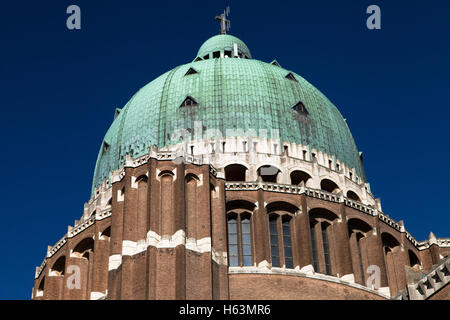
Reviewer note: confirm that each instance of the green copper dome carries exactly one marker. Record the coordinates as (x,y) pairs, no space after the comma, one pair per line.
(222,43)
(230,93)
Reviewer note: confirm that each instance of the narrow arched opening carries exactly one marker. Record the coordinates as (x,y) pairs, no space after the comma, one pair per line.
(235,172)
(329,186)
(298,176)
(58,267)
(414,261)
(353,196)
(268,173)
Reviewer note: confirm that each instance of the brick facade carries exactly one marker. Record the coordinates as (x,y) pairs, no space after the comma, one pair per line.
(164,236)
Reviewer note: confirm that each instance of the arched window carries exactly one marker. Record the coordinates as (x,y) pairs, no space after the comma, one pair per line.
(106,234)
(414,261)
(357,232)
(280,231)
(84,249)
(329,186)
(389,242)
(240,251)
(298,176)
(353,196)
(391,248)
(268,173)
(58,267)
(235,172)
(321,244)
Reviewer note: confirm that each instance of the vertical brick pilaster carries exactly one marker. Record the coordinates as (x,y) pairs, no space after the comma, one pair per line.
(303,235)
(54,287)
(198,226)
(129,234)
(341,244)
(219,241)
(115,252)
(262,244)
(100,271)
(71,292)
(375,254)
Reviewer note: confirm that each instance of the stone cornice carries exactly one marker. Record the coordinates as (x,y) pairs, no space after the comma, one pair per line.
(323,195)
(300,273)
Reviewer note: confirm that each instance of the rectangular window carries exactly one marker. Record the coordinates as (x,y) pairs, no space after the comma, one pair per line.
(288,261)
(246,242)
(326,250)
(233,243)
(274,243)
(314,249)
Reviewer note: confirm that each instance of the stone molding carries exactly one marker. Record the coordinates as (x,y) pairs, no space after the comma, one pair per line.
(301,273)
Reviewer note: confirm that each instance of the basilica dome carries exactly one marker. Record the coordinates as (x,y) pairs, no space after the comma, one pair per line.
(225,90)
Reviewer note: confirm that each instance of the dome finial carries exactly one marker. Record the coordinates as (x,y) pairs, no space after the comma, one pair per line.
(225,24)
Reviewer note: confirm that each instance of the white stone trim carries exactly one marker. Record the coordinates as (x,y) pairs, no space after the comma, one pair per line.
(298,273)
(349,278)
(114,262)
(97,295)
(219,257)
(201,246)
(130,248)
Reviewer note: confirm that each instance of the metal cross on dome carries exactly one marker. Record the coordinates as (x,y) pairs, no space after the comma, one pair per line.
(225,24)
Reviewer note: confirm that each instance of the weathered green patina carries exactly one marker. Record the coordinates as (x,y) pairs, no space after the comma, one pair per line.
(231,93)
(223,42)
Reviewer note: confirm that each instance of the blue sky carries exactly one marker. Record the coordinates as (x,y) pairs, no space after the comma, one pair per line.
(59,90)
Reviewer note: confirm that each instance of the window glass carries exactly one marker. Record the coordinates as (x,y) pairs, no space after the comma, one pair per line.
(314,249)
(288,261)
(246,242)
(326,250)
(274,242)
(233,242)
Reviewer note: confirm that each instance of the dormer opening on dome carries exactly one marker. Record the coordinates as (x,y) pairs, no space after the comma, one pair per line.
(190,71)
(117,112)
(290,76)
(300,108)
(105,146)
(198,59)
(189,102)
(275,63)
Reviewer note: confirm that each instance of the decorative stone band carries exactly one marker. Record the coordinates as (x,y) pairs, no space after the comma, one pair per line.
(319,194)
(39,269)
(438,278)
(131,248)
(307,272)
(442,243)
